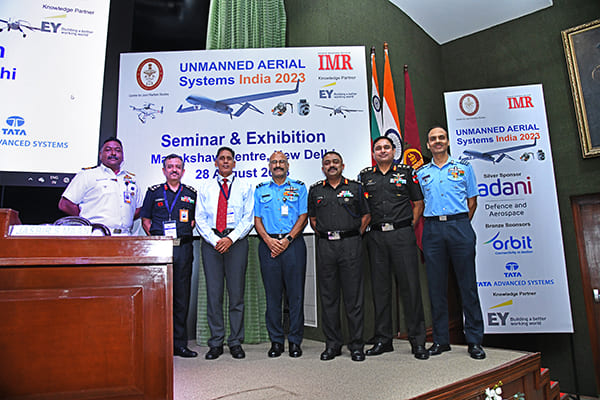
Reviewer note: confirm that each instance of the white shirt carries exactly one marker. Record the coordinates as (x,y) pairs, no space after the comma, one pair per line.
(105,197)
(240,208)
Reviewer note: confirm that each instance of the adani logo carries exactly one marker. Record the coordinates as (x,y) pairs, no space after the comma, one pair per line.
(511,245)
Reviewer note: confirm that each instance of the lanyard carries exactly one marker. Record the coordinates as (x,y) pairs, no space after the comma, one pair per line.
(170,209)
(228,189)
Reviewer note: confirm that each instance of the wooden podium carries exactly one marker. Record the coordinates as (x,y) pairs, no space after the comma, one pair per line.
(85,317)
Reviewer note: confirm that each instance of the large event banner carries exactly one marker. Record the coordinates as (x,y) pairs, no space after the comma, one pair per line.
(521,271)
(302,101)
(51,75)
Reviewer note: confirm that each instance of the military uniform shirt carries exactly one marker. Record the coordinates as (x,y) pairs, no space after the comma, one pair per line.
(447,189)
(389,194)
(105,197)
(183,208)
(339,209)
(269,198)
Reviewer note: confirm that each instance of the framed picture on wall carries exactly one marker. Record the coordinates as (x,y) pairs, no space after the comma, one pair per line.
(582,50)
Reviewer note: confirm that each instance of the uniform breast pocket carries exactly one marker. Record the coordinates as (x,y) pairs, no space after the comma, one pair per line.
(350,203)
(371,190)
(265,199)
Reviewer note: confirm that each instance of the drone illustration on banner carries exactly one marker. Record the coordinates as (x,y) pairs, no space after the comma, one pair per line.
(224,106)
(338,110)
(490,155)
(17,25)
(146,111)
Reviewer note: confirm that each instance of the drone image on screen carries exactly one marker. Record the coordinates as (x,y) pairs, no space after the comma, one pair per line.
(338,110)
(17,25)
(146,111)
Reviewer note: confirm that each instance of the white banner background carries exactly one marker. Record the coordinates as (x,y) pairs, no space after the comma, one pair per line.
(51,83)
(329,78)
(521,269)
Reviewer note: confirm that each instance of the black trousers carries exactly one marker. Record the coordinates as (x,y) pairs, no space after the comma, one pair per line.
(394,254)
(339,267)
(183,256)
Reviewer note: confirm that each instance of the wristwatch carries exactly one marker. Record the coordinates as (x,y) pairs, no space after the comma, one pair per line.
(290,238)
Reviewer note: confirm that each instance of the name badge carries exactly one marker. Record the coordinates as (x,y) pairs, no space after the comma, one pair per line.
(126,198)
(230,217)
(284,210)
(170,228)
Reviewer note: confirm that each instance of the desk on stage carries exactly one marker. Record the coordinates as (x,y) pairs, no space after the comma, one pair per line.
(85,317)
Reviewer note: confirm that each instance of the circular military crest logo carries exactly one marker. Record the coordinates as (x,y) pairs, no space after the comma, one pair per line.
(149,74)
(469,104)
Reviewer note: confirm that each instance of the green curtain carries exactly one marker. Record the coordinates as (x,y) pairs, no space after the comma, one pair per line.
(240,24)
(236,24)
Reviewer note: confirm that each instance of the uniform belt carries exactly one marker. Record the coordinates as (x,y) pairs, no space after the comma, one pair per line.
(448,217)
(119,231)
(391,226)
(278,235)
(222,234)
(337,235)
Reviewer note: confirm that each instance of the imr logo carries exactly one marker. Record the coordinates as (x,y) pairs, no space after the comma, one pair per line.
(334,62)
(519,102)
(15,121)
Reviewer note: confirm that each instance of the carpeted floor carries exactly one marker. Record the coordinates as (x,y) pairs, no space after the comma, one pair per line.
(396,375)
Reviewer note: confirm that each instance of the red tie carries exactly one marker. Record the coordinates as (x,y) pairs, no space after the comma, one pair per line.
(222,207)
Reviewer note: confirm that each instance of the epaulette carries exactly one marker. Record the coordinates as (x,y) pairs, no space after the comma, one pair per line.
(261,184)
(298,181)
(368,169)
(401,165)
(193,189)
(129,173)
(154,187)
(464,161)
(318,183)
(86,168)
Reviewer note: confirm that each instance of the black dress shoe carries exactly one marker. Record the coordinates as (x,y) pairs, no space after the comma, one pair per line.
(437,348)
(420,352)
(237,352)
(330,354)
(476,351)
(295,350)
(275,350)
(380,348)
(214,353)
(184,352)
(358,355)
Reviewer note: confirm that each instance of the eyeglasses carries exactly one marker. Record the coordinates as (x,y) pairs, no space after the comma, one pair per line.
(275,162)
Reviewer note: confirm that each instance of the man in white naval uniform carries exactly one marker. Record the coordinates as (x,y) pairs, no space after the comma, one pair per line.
(105,194)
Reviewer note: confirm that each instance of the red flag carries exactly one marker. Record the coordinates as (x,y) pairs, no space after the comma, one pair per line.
(412,143)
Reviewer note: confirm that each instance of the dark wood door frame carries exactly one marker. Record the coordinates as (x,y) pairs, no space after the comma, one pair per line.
(577,204)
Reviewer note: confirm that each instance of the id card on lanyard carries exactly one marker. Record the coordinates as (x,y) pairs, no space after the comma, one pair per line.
(170,226)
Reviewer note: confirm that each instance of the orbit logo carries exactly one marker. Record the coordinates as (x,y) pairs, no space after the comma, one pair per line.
(511,245)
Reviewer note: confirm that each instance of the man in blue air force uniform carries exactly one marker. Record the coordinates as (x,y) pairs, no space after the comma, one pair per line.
(450,191)
(280,215)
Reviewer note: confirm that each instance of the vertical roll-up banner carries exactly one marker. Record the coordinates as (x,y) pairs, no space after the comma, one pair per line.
(521,271)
